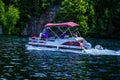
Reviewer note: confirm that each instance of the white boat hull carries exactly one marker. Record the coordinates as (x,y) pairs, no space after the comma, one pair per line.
(38,48)
(55,45)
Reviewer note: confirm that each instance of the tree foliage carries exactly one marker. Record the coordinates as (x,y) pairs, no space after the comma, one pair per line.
(26,10)
(9,17)
(75,10)
(2,11)
(96,17)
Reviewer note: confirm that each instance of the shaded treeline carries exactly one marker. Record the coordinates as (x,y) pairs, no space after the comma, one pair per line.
(97,18)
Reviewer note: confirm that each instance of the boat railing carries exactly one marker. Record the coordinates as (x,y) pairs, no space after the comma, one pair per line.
(37,39)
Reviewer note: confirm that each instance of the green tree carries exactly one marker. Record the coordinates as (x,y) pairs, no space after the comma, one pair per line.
(75,10)
(104,26)
(2,11)
(10,20)
(97,18)
(30,9)
(9,16)
(12,16)
(91,17)
(116,17)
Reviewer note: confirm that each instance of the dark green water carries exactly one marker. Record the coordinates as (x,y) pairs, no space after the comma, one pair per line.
(16,63)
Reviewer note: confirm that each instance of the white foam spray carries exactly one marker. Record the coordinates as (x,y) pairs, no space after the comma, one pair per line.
(92,51)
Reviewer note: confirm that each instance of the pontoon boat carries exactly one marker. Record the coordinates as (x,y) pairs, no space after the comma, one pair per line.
(59,36)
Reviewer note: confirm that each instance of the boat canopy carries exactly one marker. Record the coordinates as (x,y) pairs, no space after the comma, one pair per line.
(65,24)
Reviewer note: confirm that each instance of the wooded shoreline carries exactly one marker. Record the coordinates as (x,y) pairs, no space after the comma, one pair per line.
(98,18)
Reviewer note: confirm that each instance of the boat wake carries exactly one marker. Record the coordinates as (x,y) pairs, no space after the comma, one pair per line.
(102,52)
(93,51)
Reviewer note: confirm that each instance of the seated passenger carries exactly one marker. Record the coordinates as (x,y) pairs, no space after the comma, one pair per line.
(45,35)
(62,35)
(75,34)
(40,35)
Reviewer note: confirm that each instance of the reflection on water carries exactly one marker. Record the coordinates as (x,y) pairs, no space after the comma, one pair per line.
(18,63)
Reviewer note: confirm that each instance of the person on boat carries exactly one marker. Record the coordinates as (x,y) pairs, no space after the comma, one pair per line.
(62,35)
(75,34)
(44,34)
(81,43)
(40,35)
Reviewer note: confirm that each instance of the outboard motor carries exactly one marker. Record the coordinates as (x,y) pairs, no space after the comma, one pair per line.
(99,47)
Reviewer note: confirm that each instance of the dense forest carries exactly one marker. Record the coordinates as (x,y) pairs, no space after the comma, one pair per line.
(97,18)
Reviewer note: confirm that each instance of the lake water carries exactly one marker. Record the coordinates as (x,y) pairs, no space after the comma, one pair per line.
(17,63)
